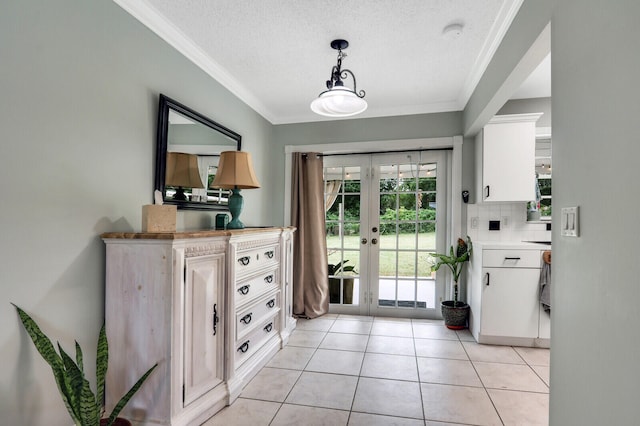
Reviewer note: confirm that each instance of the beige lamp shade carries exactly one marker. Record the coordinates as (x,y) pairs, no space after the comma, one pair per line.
(182,170)
(235,170)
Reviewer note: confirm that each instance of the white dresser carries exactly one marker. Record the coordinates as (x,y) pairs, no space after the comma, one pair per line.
(211,307)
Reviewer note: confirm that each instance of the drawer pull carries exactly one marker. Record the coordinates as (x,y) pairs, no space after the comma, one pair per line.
(269,254)
(244,260)
(215,319)
(244,347)
(512,258)
(244,289)
(268,327)
(271,303)
(487,278)
(269,279)
(247,318)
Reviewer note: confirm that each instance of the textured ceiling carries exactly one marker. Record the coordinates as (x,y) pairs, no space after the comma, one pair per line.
(275,54)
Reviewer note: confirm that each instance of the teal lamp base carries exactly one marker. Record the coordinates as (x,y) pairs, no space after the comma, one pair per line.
(235,207)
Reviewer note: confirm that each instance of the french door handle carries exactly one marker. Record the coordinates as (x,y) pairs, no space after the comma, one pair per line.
(374,241)
(374,229)
(363,241)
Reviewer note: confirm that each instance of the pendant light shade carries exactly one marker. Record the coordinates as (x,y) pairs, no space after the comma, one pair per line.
(339,100)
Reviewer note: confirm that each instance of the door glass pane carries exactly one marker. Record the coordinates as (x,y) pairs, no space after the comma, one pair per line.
(406,293)
(387,292)
(426,294)
(388,179)
(388,264)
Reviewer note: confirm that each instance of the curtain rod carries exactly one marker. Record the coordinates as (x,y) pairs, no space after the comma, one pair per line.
(384,152)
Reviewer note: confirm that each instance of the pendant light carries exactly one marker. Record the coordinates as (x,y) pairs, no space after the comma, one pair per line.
(339,100)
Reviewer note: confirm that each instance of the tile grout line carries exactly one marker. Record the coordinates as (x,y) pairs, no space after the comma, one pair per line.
(301,372)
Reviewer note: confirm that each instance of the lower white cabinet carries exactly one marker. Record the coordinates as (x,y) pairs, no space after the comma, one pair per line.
(210,307)
(504,295)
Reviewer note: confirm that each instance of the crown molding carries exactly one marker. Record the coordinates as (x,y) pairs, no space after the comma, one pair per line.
(506,15)
(156,22)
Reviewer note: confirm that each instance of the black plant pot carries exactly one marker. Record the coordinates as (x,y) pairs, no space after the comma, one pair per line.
(455,314)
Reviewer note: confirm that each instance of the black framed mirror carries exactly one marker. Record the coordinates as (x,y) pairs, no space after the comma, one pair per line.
(187,153)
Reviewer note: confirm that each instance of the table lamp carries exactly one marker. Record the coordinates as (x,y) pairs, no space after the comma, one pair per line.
(235,172)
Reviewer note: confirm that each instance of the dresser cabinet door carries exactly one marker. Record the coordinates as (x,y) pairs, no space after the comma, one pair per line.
(203,325)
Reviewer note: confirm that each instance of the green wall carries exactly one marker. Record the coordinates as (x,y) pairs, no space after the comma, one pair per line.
(79,85)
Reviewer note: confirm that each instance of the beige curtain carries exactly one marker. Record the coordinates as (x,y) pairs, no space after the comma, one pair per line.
(310,276)
(331,188)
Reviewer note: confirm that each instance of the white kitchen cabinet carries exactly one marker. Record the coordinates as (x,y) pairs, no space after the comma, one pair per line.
(505,159)
(504,296)
(174,299)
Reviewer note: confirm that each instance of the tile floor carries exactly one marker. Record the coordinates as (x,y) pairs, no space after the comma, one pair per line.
(350,370)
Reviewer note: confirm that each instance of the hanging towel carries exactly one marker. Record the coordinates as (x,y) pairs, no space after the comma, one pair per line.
(545,282)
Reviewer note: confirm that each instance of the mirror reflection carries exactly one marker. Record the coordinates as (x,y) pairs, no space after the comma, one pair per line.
(188,151)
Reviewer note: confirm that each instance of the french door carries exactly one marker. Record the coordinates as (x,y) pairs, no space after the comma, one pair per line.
(385,215)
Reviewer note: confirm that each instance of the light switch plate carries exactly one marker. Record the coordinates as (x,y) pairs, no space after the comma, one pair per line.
(570,222)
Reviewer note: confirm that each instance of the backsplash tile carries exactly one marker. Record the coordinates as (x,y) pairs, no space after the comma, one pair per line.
(516,227)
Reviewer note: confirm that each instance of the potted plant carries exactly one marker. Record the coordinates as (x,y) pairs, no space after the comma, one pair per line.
(454,312)
(84,407)
(339,272)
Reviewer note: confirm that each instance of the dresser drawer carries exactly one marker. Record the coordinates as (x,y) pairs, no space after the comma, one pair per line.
(255,339)
(248,318)
(248,261)
(250,288)
(505,258)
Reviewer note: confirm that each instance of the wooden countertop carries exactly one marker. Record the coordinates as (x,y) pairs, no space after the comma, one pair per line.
(189,234)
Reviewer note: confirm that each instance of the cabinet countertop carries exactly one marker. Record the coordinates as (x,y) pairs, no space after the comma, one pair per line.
(513,245)
(189,234)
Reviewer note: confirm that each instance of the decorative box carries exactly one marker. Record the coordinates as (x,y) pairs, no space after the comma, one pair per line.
(159,218)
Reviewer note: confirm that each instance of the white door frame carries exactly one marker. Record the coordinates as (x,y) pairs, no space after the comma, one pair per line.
(454,188)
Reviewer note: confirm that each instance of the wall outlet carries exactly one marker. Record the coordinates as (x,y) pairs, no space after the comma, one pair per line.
(474,223)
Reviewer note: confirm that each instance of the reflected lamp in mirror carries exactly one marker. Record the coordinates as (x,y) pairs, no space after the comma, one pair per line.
(235,172)
(182,172)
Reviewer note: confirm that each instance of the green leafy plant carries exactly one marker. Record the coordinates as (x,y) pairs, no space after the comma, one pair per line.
(84,407)
(341,268)
(455,260)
